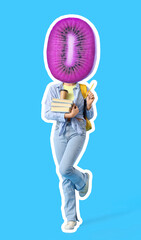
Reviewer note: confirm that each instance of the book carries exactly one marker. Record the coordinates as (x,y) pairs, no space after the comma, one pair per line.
(62,100)
(61,109)
(60,104)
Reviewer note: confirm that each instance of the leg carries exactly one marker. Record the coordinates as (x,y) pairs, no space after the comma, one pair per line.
(71,153)
(60,144)
(70,199)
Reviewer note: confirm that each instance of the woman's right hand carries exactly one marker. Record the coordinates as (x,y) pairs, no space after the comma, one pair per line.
(73,113)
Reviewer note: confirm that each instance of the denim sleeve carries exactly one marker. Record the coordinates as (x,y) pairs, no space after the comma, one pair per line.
(90,112)
(46,112)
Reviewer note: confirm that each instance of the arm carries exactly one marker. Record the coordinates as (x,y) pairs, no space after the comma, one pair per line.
(46,113)
(89,109)
(90,113)
(73,113)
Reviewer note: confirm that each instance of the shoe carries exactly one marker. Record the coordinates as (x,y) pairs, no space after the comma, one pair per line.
(70,225)
(84,190)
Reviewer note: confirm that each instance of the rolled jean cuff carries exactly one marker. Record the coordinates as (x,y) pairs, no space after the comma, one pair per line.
(85,180)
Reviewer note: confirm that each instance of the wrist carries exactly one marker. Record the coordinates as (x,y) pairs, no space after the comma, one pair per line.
(88,106)
(68,115)
(71,115)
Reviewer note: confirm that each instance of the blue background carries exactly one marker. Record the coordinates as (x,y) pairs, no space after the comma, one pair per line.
(30,198)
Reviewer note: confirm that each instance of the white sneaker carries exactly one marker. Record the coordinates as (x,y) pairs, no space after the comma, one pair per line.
(84,190)
(70,225)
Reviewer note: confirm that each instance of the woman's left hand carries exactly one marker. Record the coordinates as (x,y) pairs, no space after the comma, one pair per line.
(90,98)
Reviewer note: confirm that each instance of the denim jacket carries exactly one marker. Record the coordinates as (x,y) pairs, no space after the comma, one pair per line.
(47,114)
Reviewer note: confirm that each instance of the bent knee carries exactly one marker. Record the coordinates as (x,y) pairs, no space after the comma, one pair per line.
(65,171)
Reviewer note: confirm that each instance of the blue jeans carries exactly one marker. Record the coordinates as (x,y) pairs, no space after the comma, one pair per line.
(67,149)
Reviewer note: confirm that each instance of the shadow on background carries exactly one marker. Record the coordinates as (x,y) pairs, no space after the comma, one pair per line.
(107,217)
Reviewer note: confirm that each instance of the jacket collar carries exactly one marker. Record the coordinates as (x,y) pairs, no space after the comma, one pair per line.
(60,85)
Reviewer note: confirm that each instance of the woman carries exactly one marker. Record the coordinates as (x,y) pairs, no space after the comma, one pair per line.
(71,54)
(68,140)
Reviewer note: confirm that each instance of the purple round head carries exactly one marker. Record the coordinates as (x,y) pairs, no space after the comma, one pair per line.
(71,50)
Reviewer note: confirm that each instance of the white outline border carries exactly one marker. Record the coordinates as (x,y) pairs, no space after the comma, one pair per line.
(53,121)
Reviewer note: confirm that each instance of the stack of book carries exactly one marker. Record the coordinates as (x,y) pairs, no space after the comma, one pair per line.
(61,105)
